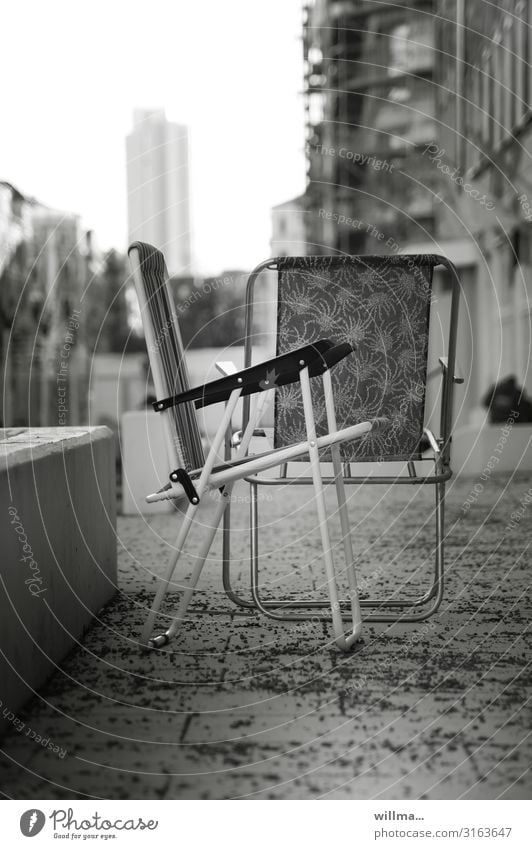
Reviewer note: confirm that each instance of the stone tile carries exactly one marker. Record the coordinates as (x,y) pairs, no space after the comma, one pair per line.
(243,707)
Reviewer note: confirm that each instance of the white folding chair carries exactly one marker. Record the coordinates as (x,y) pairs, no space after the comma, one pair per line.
(380,303)
(191,474)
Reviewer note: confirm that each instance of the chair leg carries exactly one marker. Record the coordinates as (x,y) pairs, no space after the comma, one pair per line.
(162,639)
(344,642)
(202,555)
(199,563)
(226,563)
(185,527)
(342,505)
(163,585)
(226,545)
(341,640)
(268,608)
(435,593)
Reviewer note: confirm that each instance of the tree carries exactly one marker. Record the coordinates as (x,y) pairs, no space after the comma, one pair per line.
(211,310)
(109,325)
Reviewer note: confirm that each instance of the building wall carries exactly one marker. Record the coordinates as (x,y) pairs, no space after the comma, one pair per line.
(419,139)
(483,146)
(288,229)
(370,107)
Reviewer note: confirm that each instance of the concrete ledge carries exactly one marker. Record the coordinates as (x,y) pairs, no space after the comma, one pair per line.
(58,565)
(145,463)
(474,447)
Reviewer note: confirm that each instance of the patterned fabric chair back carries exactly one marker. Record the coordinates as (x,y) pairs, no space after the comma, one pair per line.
(381,304)
(166,354)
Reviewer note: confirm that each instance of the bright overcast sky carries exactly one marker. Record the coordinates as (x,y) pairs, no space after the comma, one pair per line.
(72,72)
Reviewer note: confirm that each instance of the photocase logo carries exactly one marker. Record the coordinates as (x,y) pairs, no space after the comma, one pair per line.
(32,822)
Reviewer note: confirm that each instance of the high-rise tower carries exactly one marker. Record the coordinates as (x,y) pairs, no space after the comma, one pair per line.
(157,184)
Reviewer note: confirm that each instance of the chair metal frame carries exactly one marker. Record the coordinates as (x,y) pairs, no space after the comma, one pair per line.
(409,610)
(309,361)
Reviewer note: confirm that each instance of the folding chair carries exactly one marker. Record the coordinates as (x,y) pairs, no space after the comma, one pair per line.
(191,474)
(380,305)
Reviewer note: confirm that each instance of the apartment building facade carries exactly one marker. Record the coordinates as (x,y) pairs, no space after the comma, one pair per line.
(369,113)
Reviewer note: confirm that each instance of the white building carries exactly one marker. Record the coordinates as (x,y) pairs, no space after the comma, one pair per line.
(288,229)
(157,185)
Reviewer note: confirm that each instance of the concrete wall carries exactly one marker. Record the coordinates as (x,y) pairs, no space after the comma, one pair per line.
(118,383)
(485,449)
(58,562)
(146,465)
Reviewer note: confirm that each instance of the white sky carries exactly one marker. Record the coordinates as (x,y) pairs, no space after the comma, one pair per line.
(71,73)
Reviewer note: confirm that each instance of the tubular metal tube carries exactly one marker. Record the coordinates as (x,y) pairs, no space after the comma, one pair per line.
(189,516)
(342,508)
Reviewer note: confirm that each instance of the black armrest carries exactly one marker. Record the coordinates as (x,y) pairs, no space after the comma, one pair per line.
(280,371)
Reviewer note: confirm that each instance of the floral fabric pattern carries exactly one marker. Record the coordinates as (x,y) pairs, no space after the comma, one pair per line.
(381,305)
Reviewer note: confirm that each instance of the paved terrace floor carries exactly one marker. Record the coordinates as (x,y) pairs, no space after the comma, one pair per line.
(244,707)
